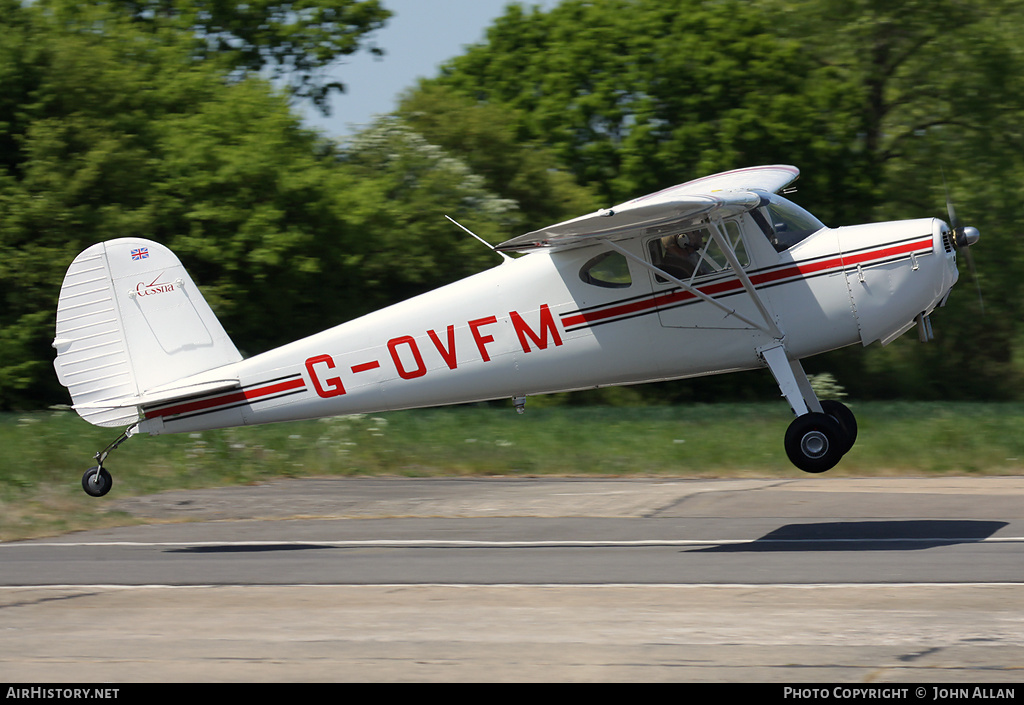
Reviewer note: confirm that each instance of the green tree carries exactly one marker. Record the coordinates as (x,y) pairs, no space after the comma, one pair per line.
(403,188)
(635,95)
(111,127)
(487,137)
(290,40)
(873,100)
(935,90)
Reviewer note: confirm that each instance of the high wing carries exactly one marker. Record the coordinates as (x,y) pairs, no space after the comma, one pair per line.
(719,195)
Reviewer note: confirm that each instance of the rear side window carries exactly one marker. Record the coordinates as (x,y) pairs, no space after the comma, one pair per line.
(608,269)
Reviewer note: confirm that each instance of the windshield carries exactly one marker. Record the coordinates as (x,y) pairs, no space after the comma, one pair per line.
(784,222)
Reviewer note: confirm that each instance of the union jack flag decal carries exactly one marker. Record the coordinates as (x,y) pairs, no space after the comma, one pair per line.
(141,253)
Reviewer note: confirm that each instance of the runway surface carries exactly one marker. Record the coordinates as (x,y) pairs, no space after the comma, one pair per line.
(792,580)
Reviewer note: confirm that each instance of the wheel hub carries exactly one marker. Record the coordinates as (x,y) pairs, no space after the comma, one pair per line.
(814,444)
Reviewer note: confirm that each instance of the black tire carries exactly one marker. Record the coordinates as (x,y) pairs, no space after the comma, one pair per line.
(97,481)
(815,442)
(847,421)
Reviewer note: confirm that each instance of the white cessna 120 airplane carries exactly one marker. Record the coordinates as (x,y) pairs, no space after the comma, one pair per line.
(715,275)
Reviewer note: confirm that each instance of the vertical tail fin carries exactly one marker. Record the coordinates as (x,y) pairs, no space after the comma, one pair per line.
(130,320)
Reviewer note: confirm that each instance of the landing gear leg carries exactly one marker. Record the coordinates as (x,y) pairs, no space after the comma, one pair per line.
(97,480)
(823,432)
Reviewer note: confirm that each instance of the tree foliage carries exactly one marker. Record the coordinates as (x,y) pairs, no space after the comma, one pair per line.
(635,95)
(160,119)
(290,40)
(486,136)
(938,102)
(111,127)
(873,100)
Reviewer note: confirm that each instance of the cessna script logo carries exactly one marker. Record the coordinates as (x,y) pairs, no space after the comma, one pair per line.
(153,288)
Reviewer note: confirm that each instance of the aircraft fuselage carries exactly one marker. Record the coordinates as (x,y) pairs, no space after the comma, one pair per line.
(536,325)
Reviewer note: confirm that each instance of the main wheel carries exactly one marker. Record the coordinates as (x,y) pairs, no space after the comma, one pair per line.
(815,442)
(847,421)
(97,481)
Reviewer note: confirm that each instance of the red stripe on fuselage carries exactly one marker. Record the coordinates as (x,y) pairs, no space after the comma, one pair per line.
(234,397)
(660,300)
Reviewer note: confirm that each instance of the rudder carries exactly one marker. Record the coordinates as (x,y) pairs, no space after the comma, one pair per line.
(130,320)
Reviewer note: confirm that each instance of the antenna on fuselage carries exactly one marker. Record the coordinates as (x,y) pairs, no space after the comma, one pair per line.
(489,245)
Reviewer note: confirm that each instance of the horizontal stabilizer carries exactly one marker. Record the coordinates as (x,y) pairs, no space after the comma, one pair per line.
(160,397)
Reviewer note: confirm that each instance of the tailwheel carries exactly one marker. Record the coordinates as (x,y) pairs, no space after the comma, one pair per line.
(816,442)
(97,481)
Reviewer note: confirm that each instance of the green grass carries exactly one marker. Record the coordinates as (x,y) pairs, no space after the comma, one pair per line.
(47,452)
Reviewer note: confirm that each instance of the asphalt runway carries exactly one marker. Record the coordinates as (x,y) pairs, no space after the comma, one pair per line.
(792,580)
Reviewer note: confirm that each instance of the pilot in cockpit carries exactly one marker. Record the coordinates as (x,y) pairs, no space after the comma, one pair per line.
(682,253)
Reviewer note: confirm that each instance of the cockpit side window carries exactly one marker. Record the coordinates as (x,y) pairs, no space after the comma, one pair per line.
(608,269)
(785,223)
(692,254)
(732,234)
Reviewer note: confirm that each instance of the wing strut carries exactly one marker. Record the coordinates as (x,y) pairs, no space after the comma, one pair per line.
(771,329)
(723,243)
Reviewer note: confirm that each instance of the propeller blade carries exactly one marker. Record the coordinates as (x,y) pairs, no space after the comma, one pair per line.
(974,276)
(963,238)
(953,222)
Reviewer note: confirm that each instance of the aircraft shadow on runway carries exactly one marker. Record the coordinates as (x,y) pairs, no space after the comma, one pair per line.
(256,548)
(902,535)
